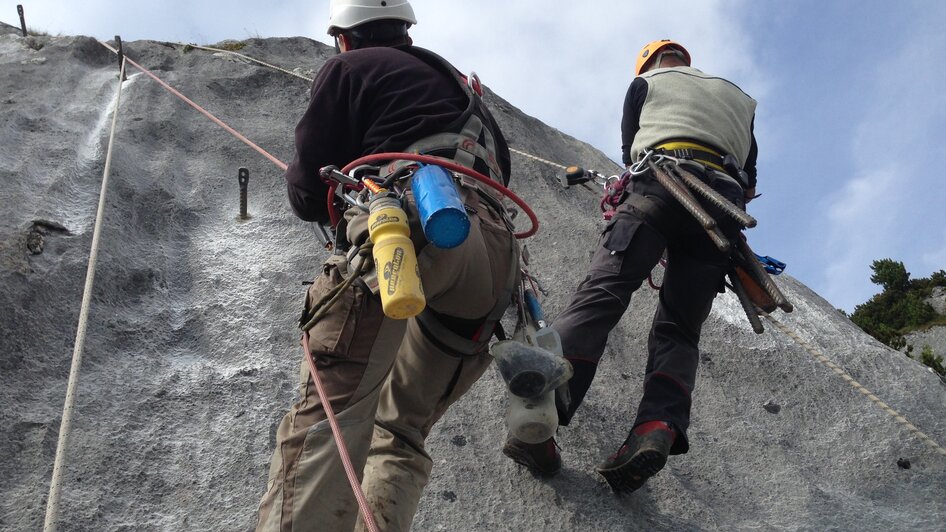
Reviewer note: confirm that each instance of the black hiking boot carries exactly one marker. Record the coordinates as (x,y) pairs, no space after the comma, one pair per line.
(643,454)
(541,459)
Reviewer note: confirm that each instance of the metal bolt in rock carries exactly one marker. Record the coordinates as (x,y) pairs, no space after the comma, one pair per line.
(19,10)
(244,179)
(121,57)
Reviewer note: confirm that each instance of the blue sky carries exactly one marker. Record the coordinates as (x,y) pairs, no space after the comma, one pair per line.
(851,121)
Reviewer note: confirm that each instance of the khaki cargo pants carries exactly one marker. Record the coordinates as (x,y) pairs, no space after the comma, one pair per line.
(387,382)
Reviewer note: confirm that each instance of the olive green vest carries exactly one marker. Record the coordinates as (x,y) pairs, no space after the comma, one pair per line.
(685,104)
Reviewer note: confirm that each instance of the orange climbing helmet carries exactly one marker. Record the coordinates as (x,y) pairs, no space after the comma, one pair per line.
(653,48)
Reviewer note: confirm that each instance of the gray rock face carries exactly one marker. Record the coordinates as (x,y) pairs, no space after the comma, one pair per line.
(192,350)
(938,300)
(935,337)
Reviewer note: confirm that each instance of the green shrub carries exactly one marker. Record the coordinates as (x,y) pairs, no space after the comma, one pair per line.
(932,360)
(231,46)
(890,274)
(901,307)
(916,311)
(938,278)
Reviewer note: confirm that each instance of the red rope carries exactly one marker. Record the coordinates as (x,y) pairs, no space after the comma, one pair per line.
(366,514)
(204,112)
(650,278)
(447,163)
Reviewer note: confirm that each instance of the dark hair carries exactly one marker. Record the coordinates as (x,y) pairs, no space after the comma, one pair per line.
(379,33)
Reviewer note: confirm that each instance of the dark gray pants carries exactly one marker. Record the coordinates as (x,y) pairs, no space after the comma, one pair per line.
(629,248)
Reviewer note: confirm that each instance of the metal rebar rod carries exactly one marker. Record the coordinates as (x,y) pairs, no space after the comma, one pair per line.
(682,195)
(747,305)
(243,177)
(697,185)
(19,10)
(121,58)
(762,277)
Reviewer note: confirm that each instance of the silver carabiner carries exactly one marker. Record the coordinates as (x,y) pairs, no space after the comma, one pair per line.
(640,166)
(605,182)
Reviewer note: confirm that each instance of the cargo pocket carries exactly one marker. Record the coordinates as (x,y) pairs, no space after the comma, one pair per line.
(332,334)
(615,240)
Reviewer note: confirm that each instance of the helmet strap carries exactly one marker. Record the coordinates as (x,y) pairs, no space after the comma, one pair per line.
(671,51)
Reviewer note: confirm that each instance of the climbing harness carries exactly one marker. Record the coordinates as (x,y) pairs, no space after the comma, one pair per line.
(357,186)
(450,165)
(673,175)
(748,276)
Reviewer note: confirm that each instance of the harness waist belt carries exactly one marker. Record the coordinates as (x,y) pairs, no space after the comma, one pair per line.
(688,150)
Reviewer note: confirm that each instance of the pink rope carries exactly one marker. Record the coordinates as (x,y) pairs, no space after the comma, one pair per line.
(366,514)
(204,112)
(340,440)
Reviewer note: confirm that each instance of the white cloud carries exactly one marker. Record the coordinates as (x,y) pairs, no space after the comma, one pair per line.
(860,228)
(892,206)
(570,63)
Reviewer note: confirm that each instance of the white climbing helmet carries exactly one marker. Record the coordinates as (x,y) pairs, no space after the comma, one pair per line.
(346,14)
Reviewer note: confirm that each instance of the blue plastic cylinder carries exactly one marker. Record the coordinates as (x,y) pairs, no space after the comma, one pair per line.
(442,214)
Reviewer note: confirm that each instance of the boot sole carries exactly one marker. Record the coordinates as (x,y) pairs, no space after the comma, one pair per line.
(525,459)
(631,475)
(528,384)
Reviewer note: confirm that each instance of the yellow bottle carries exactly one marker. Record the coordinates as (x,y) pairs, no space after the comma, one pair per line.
(395,260)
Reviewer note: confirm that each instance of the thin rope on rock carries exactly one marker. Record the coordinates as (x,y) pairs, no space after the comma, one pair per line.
(857,386)
(52,504)
(294,74)
(248,58)
(541,160)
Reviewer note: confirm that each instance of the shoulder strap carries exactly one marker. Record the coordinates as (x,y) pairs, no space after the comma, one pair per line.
(468,140)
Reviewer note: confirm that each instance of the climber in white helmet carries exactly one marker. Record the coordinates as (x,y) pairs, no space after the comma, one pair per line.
(389,380)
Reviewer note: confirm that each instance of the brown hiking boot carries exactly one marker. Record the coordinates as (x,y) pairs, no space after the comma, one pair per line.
(541,459)
(643,454)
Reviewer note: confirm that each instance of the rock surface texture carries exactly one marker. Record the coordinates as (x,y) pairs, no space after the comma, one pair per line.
(192,349)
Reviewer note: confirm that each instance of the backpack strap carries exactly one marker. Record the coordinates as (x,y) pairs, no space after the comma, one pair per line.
(467,140)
